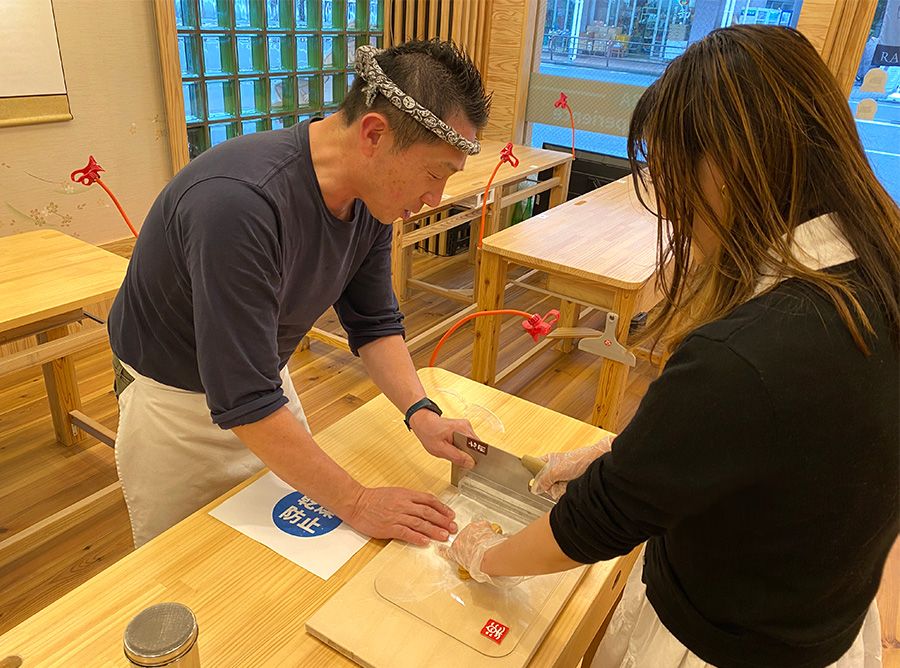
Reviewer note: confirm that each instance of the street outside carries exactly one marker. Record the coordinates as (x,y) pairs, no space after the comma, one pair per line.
(880,136)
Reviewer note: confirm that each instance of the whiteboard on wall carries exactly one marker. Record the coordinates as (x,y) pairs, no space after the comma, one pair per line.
(32,87)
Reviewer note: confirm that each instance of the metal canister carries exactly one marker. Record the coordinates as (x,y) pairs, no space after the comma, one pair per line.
(163,635)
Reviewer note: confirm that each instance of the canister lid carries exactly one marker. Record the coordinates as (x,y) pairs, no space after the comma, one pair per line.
(160,634)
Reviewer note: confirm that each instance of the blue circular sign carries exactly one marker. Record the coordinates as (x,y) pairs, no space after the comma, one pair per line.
(299,515)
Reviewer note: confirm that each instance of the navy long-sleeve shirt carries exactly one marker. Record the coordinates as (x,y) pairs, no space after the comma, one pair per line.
(236,260)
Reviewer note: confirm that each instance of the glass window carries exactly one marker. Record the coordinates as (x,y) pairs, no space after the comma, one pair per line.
(217,55)
(279,14)
(253,97)
(198,140)
(249,127)
(875,97)
(251,55)
(281,53)
(193,102)
(308,52)
(220,99)
(604,53)
(229,49)
(184,14)
(187,51)
(219,132)
(248,14)
(213,13)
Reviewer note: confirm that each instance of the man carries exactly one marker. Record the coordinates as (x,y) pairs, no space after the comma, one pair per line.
(240,254)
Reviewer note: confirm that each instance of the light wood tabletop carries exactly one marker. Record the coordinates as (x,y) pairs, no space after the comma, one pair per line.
(471,183)
(597,250)
(473,179)
(46,273)
(47,279)
(251,603)
(604,236)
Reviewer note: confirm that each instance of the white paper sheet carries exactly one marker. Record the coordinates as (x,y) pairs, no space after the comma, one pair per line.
(271,512)
(29,49)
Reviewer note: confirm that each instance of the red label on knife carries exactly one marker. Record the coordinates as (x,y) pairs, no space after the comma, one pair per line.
(477,446)
(495,631)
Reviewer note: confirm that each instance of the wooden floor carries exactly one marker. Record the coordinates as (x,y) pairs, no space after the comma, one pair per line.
(43,554)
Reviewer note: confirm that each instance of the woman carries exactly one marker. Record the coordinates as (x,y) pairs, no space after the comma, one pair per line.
(762,466)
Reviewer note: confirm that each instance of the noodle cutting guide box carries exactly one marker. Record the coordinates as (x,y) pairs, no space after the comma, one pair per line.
(409,607)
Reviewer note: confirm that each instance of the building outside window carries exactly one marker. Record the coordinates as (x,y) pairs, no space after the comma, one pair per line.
(875,98)
(604,54)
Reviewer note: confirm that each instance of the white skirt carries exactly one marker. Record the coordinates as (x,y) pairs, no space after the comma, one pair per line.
(636,638)
(172,459)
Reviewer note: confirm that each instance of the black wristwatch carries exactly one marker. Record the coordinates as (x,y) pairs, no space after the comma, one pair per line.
(419,405)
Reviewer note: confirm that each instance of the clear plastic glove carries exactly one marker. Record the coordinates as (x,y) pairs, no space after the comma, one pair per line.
(467,551)
(561,467)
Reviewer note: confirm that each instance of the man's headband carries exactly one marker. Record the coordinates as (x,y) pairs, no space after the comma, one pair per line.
(378,82)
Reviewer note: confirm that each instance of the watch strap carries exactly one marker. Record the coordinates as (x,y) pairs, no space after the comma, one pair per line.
(426,403)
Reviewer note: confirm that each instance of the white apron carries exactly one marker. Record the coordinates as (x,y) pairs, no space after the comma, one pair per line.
(636,638)
(172,459)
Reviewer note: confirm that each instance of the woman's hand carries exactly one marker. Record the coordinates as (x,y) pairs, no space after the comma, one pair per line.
(469,548)
(561,467)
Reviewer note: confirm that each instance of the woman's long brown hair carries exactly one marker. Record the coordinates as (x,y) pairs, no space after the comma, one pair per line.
(759,104)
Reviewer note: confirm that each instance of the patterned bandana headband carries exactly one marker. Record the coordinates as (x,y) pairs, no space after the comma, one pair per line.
(378,82)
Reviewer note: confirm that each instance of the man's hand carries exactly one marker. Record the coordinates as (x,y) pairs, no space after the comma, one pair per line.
(395,512)
(284,445)
(436,435)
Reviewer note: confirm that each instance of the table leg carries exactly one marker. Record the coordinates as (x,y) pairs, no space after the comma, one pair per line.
(400,262)
(62,390)
(495,213)
(491,288)
(560,193)
(474,226)
(613,375)
(491,226)
(504,219)
(569,312)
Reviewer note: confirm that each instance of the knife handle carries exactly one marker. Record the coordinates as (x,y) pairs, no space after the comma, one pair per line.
(533,464)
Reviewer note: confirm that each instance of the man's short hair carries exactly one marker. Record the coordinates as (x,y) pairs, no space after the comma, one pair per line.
(438,75)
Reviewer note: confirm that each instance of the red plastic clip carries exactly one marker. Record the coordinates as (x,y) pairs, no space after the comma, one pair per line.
(90,173)
(562,102)
(538,326)
(506,155)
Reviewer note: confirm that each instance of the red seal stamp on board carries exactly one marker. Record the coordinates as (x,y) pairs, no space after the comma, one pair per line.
(495,631)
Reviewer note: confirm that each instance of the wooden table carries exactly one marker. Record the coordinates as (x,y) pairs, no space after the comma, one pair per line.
(465,190)
(598,250)
(469,184)
(252,604)
(47,279)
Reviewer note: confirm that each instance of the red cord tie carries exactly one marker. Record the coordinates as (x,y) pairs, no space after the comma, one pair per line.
(534,324)
(506,155)
(563,103)
(538,326)
(90,173)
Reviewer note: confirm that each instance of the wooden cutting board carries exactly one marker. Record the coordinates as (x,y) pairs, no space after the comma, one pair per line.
(408,608)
